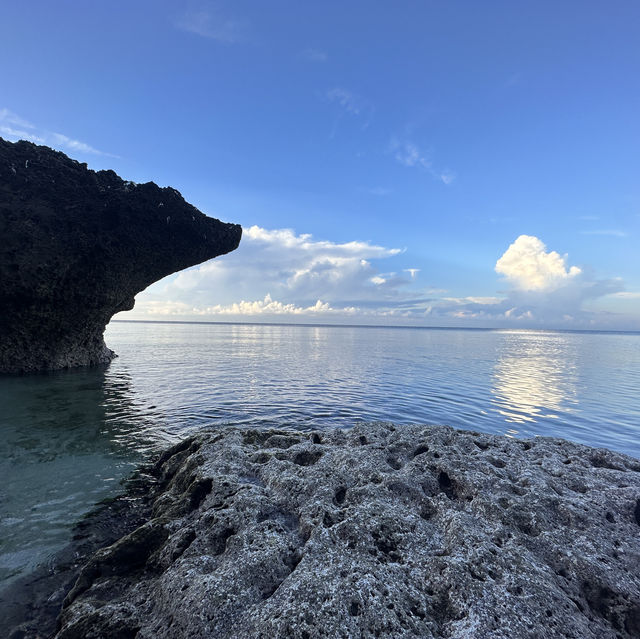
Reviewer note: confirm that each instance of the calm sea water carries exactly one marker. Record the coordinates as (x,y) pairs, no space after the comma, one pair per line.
(67,439)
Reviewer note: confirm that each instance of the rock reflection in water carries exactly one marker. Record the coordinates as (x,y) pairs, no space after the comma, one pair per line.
(64,443)
(534,377)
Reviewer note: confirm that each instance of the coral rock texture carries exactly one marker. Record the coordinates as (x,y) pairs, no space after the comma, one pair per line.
(378,531)
(76,246)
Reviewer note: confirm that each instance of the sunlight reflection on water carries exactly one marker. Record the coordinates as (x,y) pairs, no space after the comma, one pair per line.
(535,377)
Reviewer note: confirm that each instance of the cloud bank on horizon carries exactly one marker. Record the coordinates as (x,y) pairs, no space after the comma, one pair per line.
(278,275)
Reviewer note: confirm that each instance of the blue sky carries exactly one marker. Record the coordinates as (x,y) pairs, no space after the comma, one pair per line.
(428,163)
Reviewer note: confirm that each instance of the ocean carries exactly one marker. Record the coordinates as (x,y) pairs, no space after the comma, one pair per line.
(68,439)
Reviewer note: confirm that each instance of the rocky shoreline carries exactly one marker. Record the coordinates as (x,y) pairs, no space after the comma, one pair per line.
(377,531)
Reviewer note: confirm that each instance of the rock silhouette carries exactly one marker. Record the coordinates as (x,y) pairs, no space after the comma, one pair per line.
(76,246)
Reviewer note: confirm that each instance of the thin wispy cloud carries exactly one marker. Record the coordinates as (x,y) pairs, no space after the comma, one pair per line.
(378,191)
(63,141)
(209,22)
(13,134)
(14,128)
(348,100)
(315,55)
(11,119)
(447,176)
(609,232)
(352,104)
(410,155)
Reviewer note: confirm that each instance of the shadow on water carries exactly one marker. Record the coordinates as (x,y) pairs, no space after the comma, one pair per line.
(66,441)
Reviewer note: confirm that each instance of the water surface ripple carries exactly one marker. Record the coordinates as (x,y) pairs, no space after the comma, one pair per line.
(67,439)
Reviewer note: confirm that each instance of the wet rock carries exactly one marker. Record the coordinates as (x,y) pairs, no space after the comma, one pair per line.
(77,246)
(379,531)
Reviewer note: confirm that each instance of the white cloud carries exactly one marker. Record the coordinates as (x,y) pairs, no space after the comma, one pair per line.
(545,291)
(447,176)
(529,267)
(281,275)
(63,141)
(27,131)
(349,101)
(14,135)
(300,274)
(209,23)
(265,306)
(409,154)
(352,104)
(10,118)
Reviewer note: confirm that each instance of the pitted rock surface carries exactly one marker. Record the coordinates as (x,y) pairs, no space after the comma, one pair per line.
(378,531)
(76,246)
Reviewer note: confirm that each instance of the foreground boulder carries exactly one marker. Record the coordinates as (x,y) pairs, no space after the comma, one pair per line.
(379,531)
(76,246)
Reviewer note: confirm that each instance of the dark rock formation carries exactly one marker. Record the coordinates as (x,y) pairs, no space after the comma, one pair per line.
(380,531)
(76,246)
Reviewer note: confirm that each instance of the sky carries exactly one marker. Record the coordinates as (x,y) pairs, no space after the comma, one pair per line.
(427,163)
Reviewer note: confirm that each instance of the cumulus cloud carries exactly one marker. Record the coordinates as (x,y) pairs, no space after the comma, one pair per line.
(281,275)
(528,266)
(544,290)
(265,306)
(281,272)
(14,128)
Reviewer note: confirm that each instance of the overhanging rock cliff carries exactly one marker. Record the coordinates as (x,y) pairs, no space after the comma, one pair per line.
(76,246)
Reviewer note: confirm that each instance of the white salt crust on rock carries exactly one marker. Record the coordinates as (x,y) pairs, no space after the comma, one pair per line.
(378,531)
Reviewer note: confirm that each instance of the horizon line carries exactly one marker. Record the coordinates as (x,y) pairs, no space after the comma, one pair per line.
(438,328)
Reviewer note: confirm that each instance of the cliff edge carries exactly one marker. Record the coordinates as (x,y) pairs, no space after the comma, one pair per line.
(76,246)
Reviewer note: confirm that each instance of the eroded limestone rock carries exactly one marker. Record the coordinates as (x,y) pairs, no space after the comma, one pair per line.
(76,246)
(379,531)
